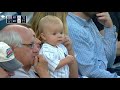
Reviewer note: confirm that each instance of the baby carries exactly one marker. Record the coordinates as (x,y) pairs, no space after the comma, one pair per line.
(52,36)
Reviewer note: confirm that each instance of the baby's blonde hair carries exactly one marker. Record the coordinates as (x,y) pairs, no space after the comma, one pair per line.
(49,19)
(38,15)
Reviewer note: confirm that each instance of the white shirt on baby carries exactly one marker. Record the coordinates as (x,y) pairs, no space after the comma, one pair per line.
(53,55)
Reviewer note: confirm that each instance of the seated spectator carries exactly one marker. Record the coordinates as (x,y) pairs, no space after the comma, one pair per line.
(37,41)
(93,52)
(25,51)
(8,61)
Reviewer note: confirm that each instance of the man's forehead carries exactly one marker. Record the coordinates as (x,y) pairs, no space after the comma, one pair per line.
(17,28)
(24,32)
(32,32)
(29,41)
(14,26)
(33,39)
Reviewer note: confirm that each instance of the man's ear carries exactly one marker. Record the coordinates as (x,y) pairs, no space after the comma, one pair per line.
(43,36)
(13,48)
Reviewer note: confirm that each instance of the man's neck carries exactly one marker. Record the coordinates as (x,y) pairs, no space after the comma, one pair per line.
(82,15)
(26,68)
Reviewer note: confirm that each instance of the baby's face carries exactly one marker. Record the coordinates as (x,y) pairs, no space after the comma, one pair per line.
(53,34)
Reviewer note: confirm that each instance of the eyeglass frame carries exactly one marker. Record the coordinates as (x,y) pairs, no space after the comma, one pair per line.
(31,45)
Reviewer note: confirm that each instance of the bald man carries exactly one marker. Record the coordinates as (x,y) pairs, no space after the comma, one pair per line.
(26,54)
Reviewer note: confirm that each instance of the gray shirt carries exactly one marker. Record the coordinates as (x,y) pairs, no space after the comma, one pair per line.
(21,73)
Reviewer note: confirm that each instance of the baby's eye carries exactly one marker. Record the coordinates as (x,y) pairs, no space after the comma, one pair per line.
(54,33)
(61,32)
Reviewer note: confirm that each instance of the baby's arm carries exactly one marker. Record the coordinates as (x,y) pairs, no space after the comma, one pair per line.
(68,59)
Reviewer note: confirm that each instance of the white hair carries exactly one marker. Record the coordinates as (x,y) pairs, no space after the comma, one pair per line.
(11,38)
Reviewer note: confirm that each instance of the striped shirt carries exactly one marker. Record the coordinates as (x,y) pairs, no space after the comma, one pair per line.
(53,55)
(94,52)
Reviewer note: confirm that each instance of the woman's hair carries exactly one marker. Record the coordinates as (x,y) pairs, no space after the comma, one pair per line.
(37,16)
(11,38)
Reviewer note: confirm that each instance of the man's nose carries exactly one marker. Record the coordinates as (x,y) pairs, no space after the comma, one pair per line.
(36,46)
(36,49)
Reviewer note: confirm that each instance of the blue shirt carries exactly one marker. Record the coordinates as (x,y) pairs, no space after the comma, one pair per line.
(94,52)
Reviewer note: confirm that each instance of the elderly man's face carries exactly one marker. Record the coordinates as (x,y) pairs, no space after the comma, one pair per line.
(90,14)
(26,54)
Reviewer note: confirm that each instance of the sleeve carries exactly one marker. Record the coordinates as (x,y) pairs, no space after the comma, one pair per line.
(87,64)
(110,46)
(51,56)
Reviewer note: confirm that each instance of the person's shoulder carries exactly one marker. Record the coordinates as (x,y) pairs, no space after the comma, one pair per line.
(62,46)
(71,19)
(47,48)
(76,26)
(79,31)
(20,73)
(46,45)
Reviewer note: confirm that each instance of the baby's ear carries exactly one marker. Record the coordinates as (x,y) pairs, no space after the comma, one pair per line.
(43,36)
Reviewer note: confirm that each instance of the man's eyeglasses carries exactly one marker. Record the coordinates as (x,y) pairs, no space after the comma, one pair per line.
(30,45)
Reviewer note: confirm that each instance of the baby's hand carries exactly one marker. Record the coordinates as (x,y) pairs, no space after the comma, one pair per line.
(70,58)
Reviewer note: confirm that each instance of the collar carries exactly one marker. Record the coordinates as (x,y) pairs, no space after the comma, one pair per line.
(79,20)
(22,70)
